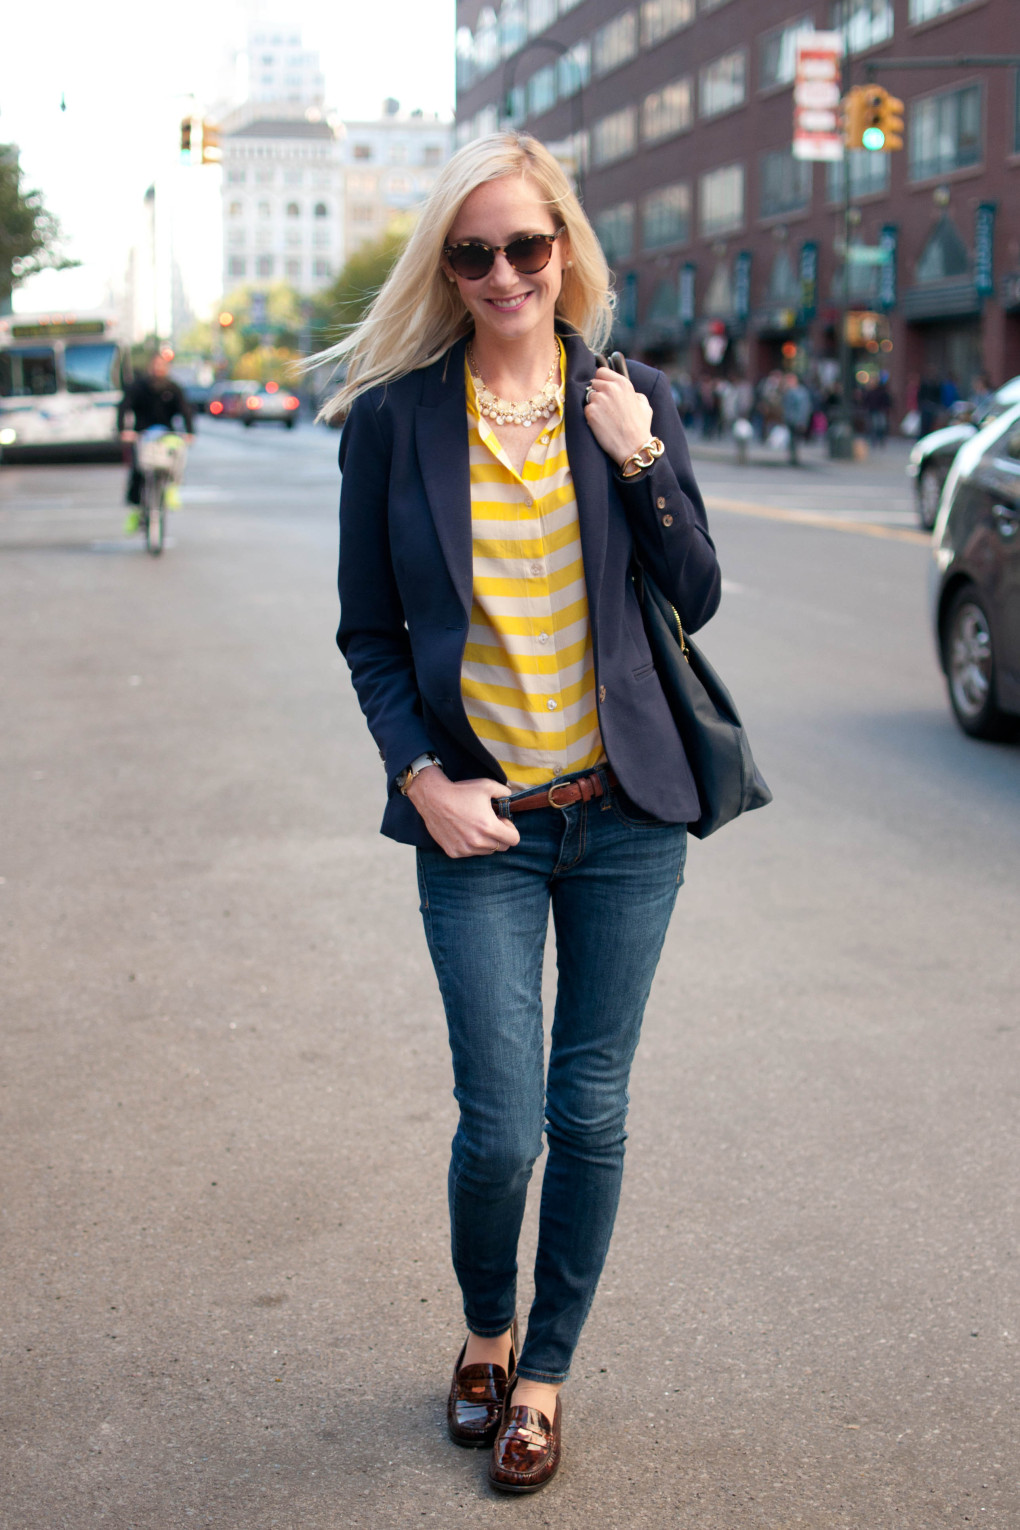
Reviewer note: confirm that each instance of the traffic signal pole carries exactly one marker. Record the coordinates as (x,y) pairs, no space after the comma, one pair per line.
(841,435)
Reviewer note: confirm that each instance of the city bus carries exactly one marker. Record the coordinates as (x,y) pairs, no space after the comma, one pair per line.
(61,379)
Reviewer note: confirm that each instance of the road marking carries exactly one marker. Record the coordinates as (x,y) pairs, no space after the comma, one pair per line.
(824,522)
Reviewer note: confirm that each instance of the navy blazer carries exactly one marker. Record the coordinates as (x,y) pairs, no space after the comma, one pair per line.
(406,579)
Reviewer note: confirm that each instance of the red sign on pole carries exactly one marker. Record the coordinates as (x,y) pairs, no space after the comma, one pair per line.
(816,95)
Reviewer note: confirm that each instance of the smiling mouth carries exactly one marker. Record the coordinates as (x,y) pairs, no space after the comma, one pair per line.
(509,305)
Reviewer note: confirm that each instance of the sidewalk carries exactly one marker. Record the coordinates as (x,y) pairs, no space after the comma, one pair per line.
(814,457)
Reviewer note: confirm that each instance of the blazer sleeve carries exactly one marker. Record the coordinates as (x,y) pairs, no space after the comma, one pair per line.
(372,635)
(668,521)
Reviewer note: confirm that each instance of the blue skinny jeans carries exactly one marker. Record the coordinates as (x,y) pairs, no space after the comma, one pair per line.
(611,875)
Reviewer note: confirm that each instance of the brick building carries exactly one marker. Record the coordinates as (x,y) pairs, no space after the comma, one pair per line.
(727,251)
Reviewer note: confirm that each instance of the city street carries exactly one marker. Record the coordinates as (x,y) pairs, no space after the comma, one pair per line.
(226,1093)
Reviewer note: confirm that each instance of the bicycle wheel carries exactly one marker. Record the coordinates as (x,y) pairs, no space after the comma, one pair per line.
(155,521)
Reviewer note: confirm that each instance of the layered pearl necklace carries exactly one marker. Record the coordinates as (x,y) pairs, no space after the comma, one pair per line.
(502,412)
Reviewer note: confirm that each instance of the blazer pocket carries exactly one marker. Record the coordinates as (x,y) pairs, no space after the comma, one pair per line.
(643,671)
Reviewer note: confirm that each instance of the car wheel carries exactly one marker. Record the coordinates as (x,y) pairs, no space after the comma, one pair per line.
(929,492)
(969,658)
(289,424)
(248,423)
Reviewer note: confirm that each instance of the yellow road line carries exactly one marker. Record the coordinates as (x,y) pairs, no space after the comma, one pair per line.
(825,522)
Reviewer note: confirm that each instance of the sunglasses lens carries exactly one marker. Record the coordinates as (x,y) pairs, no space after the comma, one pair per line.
(530,254)
(471,260)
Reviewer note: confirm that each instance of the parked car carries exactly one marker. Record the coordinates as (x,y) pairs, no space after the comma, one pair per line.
(268,401)
(197,395)
(931,457)
(975,580)
(225,399)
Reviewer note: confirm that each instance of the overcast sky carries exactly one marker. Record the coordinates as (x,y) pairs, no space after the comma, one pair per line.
(122,69)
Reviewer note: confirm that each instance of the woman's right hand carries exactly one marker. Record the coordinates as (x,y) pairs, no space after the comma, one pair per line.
(459,814)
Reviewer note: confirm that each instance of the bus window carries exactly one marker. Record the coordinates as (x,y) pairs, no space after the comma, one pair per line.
(90,368)
(27,371)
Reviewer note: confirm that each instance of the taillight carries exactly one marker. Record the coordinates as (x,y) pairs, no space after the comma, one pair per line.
(215,407)
(290,402)
(272,387)
(253,402)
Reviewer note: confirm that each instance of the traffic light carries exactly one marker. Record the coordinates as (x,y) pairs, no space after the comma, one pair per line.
(211,151)
(853,109)
(226,319)
(891,123)
(186,138)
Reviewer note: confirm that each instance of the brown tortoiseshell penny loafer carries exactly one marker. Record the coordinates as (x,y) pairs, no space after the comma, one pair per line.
(474,1407)
(527,1449)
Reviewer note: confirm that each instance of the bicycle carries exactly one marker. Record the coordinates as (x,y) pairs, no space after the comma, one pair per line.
(161,455)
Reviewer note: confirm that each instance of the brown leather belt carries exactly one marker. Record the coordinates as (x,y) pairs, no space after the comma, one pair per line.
(561,794)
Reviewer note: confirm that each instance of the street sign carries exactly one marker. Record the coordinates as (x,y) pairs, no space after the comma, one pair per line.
(869,254)
(817,133)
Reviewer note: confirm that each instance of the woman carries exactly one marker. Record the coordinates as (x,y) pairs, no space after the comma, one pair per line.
(497,485)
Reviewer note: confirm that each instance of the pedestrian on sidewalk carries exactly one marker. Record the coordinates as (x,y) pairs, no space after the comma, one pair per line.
(497,484)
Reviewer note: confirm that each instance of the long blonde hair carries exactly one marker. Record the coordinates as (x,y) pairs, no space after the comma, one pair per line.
(418,314)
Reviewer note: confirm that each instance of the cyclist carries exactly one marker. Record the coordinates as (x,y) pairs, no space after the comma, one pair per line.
(153,398)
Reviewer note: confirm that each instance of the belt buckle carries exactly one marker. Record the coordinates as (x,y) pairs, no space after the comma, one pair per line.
(558,786)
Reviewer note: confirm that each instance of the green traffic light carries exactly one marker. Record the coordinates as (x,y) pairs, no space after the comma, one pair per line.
(873,138)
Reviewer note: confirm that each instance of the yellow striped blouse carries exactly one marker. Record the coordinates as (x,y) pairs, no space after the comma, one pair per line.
(528,676)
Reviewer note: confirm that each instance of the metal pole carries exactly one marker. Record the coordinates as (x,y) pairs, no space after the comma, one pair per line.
(841,435)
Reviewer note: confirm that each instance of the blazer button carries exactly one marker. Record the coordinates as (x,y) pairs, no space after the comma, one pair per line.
(602,693)
(661,502)
(667,520)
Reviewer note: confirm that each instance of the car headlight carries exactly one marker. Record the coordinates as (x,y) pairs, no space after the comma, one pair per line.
(8,437)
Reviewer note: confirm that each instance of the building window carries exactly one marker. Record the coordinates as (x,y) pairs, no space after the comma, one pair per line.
(574,69)
(292,177)
(321,238)
(322,268)
(265,211)
(433,154)
(321,210)
(513,26)
(712,5)
(542,90)
(237,209)
(777,57)
(721,200)
(869,174)
(362,212)
(264,265)
(399,185)
(945,132)
(785,183)
(667,111)
(237,266)
(723,84)
(925,10)
(293,269)
(1016,113)
(615,43)
(362,151)
(661,18)
(235,236)
(615,136)
(541,14)
(263,177)
(465,51)
(614,229)
(398,152)
(237,177)
(568,5)
(486,42)
(667,216)
(863,22)
(293,210)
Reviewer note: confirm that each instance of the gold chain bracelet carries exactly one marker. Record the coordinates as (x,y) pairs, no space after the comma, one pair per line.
(642,458)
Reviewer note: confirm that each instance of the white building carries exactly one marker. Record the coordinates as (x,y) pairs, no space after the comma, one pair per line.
(283,202)
(278,69)
(390,167)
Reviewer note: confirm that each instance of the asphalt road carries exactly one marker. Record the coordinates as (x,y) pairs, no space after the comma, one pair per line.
(225,1091)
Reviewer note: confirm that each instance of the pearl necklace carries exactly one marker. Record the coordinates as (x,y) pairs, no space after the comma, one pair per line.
(502,412)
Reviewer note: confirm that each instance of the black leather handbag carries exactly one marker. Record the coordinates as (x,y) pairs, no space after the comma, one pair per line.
(729,782)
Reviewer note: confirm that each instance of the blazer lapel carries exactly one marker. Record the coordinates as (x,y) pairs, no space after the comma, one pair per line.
(589,468)
(441,439)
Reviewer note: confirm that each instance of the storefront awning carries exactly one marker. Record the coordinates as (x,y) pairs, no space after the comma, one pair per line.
(935,301)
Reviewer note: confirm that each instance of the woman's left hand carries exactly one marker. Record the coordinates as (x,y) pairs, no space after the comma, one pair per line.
(619,416)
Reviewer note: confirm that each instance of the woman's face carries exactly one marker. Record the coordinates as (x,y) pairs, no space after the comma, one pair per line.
(506,305)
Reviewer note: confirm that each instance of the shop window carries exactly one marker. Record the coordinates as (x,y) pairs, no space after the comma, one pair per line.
(667,111)
(944,132)
(719,295)
(863,22)
(615,231)
(927,10)
(777,53)
(723,84)
(661,18)
(667,216)
(615,43)
(615,136)
(785,183)
(784,287)
(721,200)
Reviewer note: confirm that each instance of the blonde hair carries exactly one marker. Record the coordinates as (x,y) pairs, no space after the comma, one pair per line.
(418,314)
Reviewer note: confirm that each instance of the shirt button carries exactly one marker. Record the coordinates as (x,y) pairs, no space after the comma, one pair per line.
(536,571)
(661,502)
(551,705)
(667,520)
(602,693)
(543,637)
(544,440)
